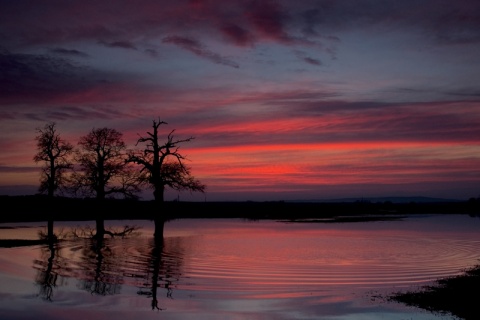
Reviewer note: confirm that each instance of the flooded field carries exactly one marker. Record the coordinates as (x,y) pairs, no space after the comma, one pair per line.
(231,268)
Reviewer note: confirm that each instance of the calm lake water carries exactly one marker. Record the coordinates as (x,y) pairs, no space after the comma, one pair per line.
(233,269)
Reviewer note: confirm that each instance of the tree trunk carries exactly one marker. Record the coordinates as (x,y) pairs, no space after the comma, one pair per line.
(100,224)
(158,194)
(159,225)
(100,193)
(51,190)
(51,179)
(50,235)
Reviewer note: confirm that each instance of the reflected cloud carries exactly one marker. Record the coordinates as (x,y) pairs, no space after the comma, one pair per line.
(204,268)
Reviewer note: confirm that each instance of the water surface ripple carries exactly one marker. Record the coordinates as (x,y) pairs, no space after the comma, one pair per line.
(208,261)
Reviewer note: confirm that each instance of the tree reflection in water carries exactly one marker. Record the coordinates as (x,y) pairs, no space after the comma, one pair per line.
(97,268)
(103,265)
(102,272)
(161,272)
(50,266)
(46,278)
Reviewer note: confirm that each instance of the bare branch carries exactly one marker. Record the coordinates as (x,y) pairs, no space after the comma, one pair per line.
(104,167)
(161,171)
(55,153)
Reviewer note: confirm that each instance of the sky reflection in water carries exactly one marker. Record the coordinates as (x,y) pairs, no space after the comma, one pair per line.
(234,269)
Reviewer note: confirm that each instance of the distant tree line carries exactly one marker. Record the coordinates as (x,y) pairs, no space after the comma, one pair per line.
(101,166)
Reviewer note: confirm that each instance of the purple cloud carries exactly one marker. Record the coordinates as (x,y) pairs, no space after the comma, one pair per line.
(198,49)
(42,78)
(303,56)
(69,52)
(151,52)
(9,169)
(268,19)
(238,35)
(34,76)
(119,44)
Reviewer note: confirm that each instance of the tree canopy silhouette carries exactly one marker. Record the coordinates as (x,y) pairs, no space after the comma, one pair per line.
(55,153)
(163,163)
(104,170)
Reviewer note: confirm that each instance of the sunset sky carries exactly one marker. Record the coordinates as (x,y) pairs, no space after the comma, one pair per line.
(287,100)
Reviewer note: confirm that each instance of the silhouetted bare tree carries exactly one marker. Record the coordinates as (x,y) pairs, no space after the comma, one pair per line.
(103,167)
(163,164)
(104,170)
(55,153)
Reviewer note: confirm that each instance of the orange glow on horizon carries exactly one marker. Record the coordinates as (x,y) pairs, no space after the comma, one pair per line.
(257,167)
(330,146)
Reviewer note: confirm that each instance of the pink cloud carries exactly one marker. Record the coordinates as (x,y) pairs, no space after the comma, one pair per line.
(198,49)
(237,34)
(267,18)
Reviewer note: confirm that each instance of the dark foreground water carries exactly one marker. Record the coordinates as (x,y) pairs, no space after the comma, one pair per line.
(233,269)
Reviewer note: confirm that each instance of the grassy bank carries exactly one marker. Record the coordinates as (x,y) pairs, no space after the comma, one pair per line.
(456,295)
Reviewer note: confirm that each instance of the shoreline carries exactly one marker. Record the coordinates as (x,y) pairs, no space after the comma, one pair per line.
(454,295)
(41,208)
